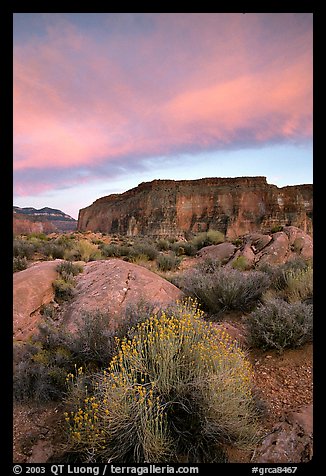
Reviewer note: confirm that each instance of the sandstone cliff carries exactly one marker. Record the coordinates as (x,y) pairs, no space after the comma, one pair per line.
(234,206)
(45,220)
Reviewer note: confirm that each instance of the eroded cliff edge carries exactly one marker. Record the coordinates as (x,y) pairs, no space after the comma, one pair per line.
(234,206)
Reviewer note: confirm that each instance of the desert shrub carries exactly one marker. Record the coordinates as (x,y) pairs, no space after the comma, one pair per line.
(299,285)
(169,262)
(278,273)
(277,324)
(241,263)
(222,288)
(37,236)
(177,388)
(63,289)
(163,244)
(145,250)
(19,263)
(83,250)
(69,268)
(49,310)
(237,242)
(277,228)
(23,249)
(53,353)
(210,237)
(52,250)
(184,248)
(116,251)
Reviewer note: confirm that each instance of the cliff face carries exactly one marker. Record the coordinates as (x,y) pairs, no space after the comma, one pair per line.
(234,206)
(45,220)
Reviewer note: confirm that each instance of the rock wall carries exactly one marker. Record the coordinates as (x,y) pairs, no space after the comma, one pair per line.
(234,206)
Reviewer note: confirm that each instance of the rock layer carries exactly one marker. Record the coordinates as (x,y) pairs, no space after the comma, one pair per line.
(235,206)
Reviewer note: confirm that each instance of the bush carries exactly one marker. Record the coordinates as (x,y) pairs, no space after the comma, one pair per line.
(211,237)
(68,268)
(280,325)
(184,248)
(52,250)
(23,249)
(143,250)
(19,264)
(277,228)
(278,274)
(241,263)
(163,245)
(53,353)
(168,262)
(177,389)
(299,285)
(63,289)
(116,251)
(83,250)
(221,288)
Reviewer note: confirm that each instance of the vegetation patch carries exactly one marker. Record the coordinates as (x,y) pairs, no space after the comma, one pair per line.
(223,288)
(177,389)
(277,324)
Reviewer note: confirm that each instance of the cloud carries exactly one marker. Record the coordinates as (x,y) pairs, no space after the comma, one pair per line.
(103,100)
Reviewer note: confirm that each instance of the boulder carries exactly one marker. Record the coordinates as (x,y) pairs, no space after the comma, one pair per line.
(290,441)
(32,288)
(111,285)
(278,250)
(222,252)
(258,241)
(299,242)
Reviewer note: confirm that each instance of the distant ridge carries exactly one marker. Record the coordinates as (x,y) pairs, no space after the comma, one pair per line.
(44,220)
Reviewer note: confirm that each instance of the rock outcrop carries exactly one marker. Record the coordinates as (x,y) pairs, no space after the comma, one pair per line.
(235,206)
(257,248)
(111,285)
(290,441)
(32,288)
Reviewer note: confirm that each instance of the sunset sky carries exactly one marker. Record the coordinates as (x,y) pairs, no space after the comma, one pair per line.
(105,101)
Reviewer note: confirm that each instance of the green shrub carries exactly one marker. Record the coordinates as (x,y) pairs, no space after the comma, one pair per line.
(277,228)
(299,285)
(144,250)
(52,250)
(211,237)
(37,236)
(238,242)
(23,249)
(222,288)
(168,262)
(241,263)
(277,324)
(278,273)
(115,251)
(19,264)
(177,389)
(83,250)
(63,289)
(184,248)
(163,245)
(69,268)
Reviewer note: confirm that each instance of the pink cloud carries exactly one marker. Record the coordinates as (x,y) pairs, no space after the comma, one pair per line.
(196,81)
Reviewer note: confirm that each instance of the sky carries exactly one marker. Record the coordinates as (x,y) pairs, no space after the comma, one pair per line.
(103,102)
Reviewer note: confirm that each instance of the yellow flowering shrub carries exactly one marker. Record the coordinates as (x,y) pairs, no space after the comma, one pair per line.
(177,387)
